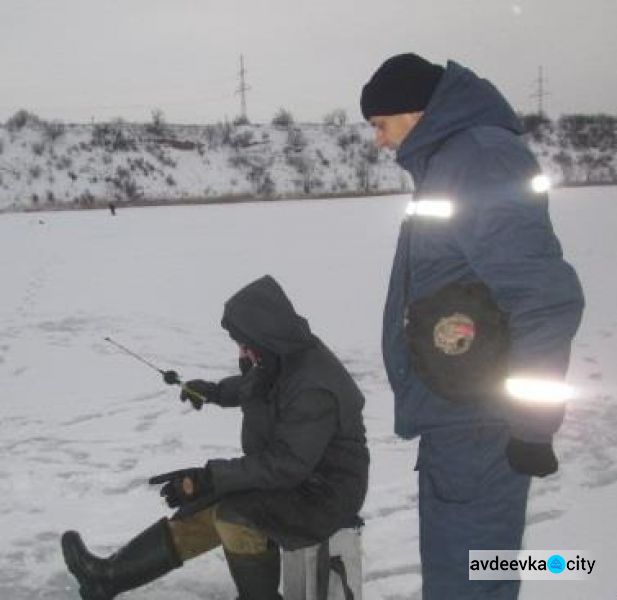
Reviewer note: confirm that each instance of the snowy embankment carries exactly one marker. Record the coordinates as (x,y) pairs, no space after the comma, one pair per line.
(45,165)
(82,426)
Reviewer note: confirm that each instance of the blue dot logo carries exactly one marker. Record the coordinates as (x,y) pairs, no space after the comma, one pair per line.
(556,564)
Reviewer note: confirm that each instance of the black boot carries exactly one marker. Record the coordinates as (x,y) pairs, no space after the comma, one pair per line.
(256,576)
(145,558)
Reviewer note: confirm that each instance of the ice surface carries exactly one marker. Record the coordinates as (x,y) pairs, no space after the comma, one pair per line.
(83,426)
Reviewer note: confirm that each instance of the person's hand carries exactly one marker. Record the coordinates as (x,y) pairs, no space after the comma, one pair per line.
(183,486)
(198,391)
(530,458)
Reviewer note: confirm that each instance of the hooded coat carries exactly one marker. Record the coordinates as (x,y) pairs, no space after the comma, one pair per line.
(467,148)
(304,472)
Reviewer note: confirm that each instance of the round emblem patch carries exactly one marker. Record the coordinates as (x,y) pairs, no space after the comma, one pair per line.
(454,334)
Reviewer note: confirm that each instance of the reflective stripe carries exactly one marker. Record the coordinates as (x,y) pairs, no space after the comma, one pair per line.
(541,183)
(442,209)
(532,390)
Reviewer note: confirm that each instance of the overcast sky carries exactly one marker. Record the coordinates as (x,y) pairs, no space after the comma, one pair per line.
(76,60)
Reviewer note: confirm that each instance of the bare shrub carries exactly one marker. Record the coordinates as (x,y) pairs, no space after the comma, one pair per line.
(566,163)
(267,187)
(296,140)
(261,180)
(21,119)
(38,148)
(241,139)
(113,137)
(161,155)
(336,118)
(582,132)
(85,199)
(349,138)
(306,168)
(239,161)
(141,165)
(158,126)
(322,159)
(64,162)
(283,118)
(35,171)
(125,185)
(52,130)
(369,152)
(218,135)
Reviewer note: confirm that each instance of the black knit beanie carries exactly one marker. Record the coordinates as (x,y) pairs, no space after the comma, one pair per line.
(402,84)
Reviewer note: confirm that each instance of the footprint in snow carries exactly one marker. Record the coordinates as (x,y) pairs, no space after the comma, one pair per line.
(124,489)
(546,515)
(148,421)
(412,569)
(386,511)
(603,479)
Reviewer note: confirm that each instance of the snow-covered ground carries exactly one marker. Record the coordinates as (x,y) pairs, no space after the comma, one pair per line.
(83,426)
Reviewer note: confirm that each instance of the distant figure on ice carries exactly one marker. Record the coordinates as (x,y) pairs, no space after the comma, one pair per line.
(479,318)
(112,209)
(303,475)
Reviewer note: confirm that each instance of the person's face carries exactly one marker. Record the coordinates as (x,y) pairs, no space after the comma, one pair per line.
(246,352)
(391,130)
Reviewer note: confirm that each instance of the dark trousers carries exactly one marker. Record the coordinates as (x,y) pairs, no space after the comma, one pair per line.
(469,499)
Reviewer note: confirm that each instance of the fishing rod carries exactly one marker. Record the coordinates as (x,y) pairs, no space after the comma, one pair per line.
(169,377)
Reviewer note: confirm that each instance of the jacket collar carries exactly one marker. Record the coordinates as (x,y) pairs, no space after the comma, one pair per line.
(460,101)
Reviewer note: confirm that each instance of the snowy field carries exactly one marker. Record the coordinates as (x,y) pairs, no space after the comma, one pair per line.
(83,426)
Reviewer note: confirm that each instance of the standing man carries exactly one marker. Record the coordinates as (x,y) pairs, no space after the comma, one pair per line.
(478,229)
(303,475)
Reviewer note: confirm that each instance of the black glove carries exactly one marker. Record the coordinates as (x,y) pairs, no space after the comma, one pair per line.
(183,486)
(199,391)
(530,458)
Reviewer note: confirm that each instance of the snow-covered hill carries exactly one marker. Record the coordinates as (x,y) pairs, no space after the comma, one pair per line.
(46,165)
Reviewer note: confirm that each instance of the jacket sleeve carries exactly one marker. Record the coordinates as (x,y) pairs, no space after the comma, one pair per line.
(227,393)
(504,230)
(305,426)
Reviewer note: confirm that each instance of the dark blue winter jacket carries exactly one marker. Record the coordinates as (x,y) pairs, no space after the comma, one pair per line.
(467,148)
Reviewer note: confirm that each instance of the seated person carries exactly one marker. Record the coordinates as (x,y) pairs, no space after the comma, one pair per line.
(303,475)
